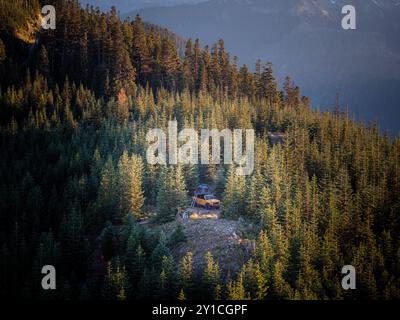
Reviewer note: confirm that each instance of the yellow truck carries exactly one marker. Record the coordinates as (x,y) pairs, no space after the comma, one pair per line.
(207,201)
(204,198)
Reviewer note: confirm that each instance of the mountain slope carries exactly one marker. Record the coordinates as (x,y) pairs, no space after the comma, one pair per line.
(305,39)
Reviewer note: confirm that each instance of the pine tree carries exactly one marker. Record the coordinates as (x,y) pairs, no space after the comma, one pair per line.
(140,51)
(182,295)
(108,242)
(122,71)
(236,289)
(252,192)
(130,184)
(115,284)
(234,194)
(266,210)
(3,54)
(281,287)
(268,85)
(169,63)
(254,282)
(135,256)
(72,244)
(265,255)
(167,286)
(177,236)
(308,283)
(171,193)
(211,276)
(261,285)
(186,280)
(364,264)
(160,251)
(43,62)
(107,191)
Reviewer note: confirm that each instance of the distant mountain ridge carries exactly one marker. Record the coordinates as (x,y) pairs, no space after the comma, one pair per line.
(304,38)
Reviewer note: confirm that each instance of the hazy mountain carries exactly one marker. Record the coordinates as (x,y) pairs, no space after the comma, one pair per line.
(129,5)
(304,38)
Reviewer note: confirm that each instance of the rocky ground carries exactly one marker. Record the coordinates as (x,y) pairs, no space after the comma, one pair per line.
(230,242)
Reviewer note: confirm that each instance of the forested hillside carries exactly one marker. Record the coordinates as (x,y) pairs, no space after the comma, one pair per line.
(304,38)
(75,107)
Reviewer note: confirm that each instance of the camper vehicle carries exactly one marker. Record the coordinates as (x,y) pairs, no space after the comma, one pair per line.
(204,198)
(207,201)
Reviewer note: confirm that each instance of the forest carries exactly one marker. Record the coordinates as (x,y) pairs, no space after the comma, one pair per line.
(75,106)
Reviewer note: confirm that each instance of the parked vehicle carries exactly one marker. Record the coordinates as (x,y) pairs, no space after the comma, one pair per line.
(203,198)
(208,201)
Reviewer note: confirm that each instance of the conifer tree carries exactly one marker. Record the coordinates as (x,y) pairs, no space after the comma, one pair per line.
(108,242)
(2,52)
(234,194)
(211,276)
(182,295)
(140,50)
(282,289)
(160,251)
(171,193)
(186,274)
(130,184)
(135,256)
(167,286)
(236,289)
(107,191)
(115,285)
(260,283)
(265,255)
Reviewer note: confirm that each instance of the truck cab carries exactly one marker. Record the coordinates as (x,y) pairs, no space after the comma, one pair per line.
(208,201)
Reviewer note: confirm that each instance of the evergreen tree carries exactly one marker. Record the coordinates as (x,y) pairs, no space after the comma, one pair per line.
(171,193)
(211,277)
(108,242)
(130,184)
(160,251)
(167,286)
(115,285)
(236,289)
(282,289)
(186,281)
(234,194)
(3,54)
(107,191)
(140,50)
